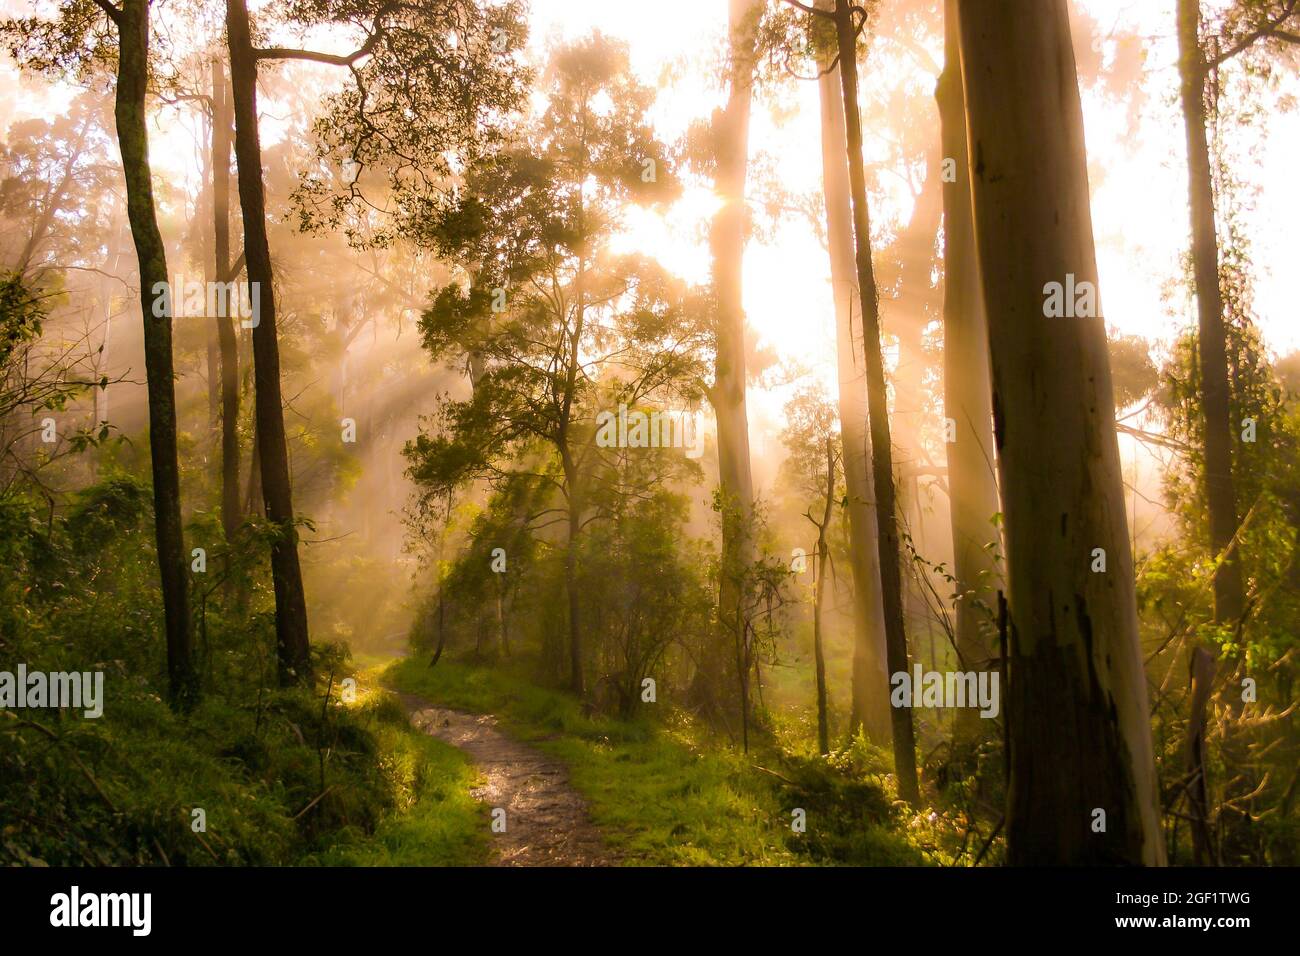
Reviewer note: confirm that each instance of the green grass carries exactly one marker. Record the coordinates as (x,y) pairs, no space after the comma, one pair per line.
(663,795)
(279,781)
(434,820)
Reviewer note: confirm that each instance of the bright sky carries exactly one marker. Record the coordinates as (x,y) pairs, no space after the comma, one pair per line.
(1139,204)
(1139,200)
(1138,210)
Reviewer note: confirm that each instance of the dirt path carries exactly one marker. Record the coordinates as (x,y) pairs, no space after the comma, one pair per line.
(546,819)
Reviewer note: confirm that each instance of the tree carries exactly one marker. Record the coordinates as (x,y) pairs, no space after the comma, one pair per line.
(870,682)
(53,170)
(848,21)
(569,336)
(814,468)
(293,648)
(416,89)
(132,22)
(76,40)
(1082,777)
(972,481)
(225,271)
(1251,22)
(31,383)
(730,136)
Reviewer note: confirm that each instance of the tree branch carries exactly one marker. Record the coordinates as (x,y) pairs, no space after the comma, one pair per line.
(113,12)
(332,59)
(235,269)
(828,14)
(1266,29)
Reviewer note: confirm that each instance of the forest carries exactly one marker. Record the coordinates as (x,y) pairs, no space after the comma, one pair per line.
(452,433)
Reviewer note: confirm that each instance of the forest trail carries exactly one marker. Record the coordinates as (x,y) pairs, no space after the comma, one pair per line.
(546,819)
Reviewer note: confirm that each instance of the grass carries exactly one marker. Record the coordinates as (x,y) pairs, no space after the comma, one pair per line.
(274,780)
(283,779)
(663,795)
(434,820)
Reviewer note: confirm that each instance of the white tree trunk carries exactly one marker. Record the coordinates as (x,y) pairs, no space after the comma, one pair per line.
(870,680)
(1076,700)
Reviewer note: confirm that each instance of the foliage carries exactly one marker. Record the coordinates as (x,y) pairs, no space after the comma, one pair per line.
(279,774)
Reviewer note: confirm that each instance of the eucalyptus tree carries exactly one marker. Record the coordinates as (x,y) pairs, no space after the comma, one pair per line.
(1249,23)
(1246,27)
(848,21)
(564,330)
(86,37)
(225,270)
(426,79)
(727,234)
(870,682)
(972,477)
(1082,785)
(815,469)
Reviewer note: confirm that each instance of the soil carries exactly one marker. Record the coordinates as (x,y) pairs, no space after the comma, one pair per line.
(546,820)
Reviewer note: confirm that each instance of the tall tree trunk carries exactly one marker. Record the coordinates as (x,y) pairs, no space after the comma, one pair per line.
(1211,347)
(877,408)
(292,644)
(442,629)
(870,681)
(727,242)
(231,514)
(254,480)
(972,481)
(1211,340)
(1201,671)
(503,620)
(133,141)
(906,317)
(909,313)
(819,595)
(576,682)
(1076,702)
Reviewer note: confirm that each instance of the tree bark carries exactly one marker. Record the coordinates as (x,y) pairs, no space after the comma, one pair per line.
(1211,338)
(972,480)
(231,513)
(577,684)
(909,313)
(133,141)
(870,688)
(1076,702)
(877,408)
(292,643)
(819,655)
(727,244)
(1211,348)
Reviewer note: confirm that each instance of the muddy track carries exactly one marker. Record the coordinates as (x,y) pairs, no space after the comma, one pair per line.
(546,819)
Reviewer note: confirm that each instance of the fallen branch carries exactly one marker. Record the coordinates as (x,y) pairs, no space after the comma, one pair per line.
(321,797)
(90,777)
(773,773)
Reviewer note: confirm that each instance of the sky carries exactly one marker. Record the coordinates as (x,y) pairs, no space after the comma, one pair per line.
(1139,209)
(1139,191)
(1139,206)
(1138,178)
